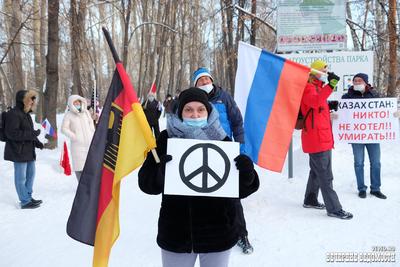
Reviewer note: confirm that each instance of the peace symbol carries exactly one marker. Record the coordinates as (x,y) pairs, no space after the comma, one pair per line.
(205,170)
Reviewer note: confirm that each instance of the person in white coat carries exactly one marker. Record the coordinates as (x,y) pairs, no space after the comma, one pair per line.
(78,126)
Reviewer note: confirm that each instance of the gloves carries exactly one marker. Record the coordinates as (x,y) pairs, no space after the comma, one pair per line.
(161,168)
(165,158)
(333,105)
(333,79)
(244,163)
(39,145)
(36,132)
(246,169)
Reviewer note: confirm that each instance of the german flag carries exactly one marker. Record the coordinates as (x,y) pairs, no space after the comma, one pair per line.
(120,144)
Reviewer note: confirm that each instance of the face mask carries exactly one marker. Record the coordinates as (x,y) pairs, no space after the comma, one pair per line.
(78,107)
(151,98)
(323,79)
(359,87)
(199,122)
(207,88)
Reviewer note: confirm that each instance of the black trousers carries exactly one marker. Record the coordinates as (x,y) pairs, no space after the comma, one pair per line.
(156,129)
(240,219)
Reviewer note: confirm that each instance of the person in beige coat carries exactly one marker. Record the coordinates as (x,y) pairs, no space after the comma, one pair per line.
(78,126)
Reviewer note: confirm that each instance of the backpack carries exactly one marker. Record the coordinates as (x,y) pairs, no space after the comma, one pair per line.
(3,125)
(300,122)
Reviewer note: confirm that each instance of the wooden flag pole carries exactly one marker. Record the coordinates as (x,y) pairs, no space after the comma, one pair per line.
(155,155)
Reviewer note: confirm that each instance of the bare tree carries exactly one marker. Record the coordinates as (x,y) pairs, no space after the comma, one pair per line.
(13,8)
(39,63)
(393,72)
(50,94)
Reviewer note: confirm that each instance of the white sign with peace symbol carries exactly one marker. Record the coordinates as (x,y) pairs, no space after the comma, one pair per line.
(202,168)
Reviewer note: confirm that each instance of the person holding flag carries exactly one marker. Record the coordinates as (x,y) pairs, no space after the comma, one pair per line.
(317,140)
(152,109)
(78,126)
(21,141)
(191,227)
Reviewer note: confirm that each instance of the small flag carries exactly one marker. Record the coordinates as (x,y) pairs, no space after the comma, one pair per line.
(49,130)
(64,162)
(268,92)
(153,88)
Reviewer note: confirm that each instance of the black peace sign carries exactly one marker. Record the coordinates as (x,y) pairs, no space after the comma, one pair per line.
(204,169)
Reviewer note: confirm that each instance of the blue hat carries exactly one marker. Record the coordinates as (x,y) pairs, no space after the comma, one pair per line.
(200,72)
(362,76)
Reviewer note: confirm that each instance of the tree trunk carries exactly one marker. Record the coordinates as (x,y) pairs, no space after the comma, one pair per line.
(50,95)
(391,92)
(14,55)
(180,74)
(171,88)
(352,30)
(126,33)
(253,22)
(77,28)
(38,63)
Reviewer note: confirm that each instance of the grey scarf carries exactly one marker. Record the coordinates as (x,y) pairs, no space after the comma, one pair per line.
(212,131)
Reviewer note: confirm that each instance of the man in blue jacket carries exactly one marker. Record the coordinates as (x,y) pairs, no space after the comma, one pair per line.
(229,113)
(232,122)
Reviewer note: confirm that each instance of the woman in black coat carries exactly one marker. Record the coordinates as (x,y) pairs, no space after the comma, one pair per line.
(190,226)
(21,140)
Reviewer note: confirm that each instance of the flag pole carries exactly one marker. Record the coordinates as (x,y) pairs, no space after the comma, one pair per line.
(117,60)
(111,45)
(319,72)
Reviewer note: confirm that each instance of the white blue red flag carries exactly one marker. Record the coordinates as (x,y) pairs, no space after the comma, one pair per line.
(268,92)
(49,129)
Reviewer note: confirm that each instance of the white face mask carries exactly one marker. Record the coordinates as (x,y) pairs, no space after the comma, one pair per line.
(207,88)
(323,79)
(359,87)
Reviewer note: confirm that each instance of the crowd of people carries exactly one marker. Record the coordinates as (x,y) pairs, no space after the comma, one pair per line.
(206,111)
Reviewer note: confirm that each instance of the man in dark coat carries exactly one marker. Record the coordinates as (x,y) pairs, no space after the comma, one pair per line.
(362,89)
(152,109)
(168,104)
(21,140)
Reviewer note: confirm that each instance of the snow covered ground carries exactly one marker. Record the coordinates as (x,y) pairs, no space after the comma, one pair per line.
(282,231)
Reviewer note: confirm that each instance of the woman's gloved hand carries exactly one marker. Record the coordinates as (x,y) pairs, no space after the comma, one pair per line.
(246,169)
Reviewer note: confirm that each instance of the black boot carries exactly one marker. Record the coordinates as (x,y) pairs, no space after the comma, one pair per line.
(378,194)
(244,243)
(311,201)
(36,201)
(30,205)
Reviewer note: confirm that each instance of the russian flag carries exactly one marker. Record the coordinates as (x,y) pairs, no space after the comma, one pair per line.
(48,128)
(268,91)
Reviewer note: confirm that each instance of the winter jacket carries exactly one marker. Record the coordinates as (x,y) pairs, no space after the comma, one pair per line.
(192,224)
(78,126)
(152,110)
(370,92)
(19,131)
(316,136)
(168,105)
(229,113)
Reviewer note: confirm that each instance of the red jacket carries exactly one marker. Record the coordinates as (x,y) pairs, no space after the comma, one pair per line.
(316,136)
